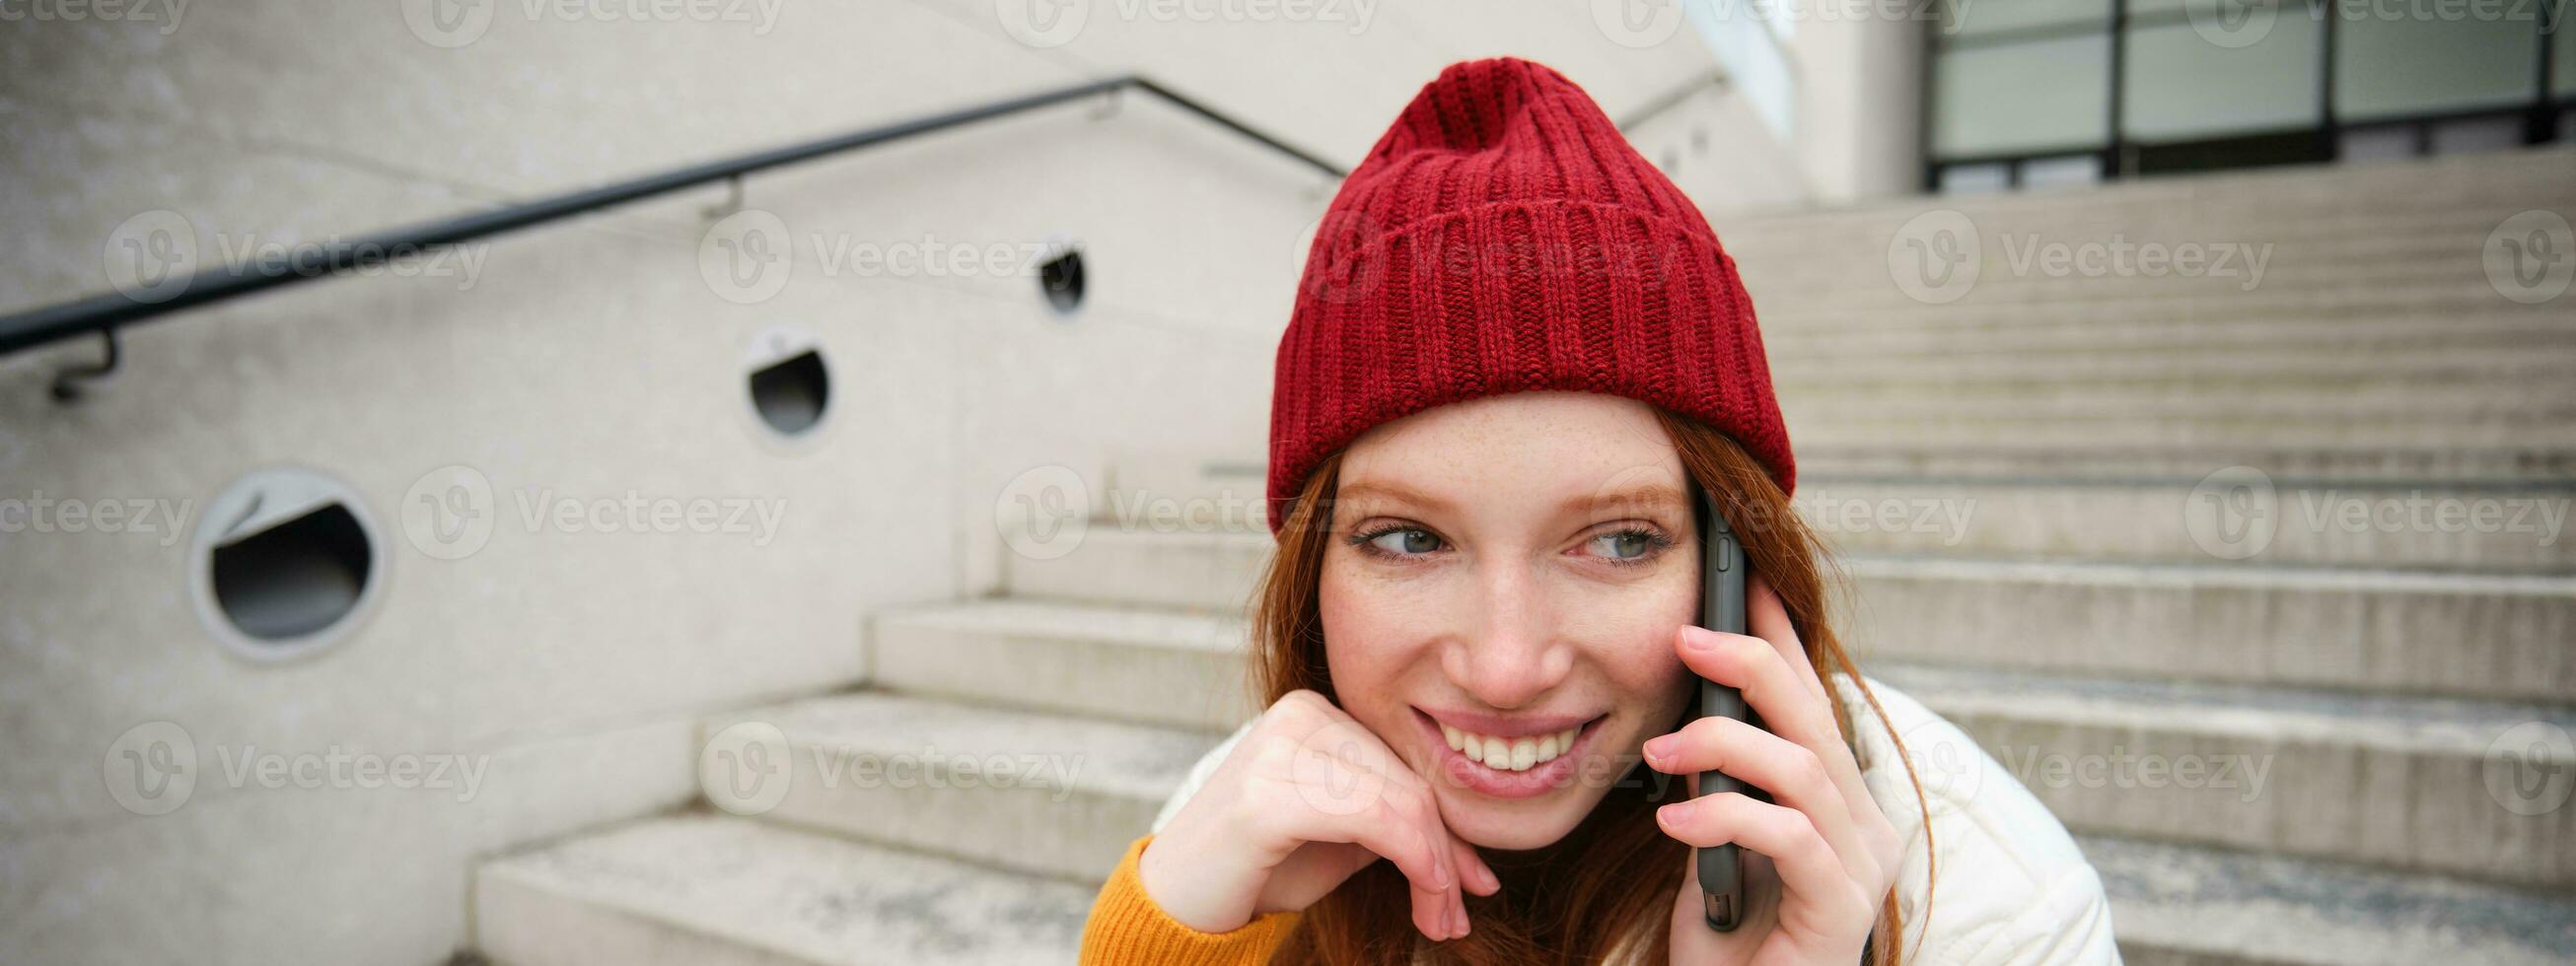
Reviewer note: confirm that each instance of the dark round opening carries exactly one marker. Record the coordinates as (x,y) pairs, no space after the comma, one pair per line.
(295,578)
(790,394)
(1061,279)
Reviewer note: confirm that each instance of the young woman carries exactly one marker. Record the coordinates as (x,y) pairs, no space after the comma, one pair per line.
(1516,351)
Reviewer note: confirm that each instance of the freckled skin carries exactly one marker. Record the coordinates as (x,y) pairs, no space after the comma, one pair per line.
(1513,603)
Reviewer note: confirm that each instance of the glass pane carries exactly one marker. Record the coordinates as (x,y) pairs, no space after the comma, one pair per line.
(2071,169)
(2028,96)
(2181,87)
(2390,63)
(1997,16)
(1968,179)
(2562,60)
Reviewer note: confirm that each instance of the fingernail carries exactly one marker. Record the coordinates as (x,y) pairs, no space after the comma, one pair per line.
(1440,877)
(1657,748)
(1664,815)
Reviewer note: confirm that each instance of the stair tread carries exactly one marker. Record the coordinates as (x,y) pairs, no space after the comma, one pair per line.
(2276,909)
(1136,760)
(804,896)
(1091,621)
(2432,724)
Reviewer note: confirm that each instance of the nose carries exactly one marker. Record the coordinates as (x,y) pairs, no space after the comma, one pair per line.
(1513,655)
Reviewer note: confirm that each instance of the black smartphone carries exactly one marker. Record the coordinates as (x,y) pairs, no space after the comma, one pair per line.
(1721,608)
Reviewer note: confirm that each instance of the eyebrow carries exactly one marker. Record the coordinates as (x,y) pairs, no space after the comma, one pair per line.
(1649,494)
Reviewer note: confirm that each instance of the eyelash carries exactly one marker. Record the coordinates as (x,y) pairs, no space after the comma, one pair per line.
(1656,544)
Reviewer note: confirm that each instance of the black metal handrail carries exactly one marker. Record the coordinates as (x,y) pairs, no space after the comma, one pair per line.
(106,312)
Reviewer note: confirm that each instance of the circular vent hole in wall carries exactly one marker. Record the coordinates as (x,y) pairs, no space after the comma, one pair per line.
(285,563)
(1060,278)
(790,394)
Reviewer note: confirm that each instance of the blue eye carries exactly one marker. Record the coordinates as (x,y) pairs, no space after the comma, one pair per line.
(1409,541)
(1628,547)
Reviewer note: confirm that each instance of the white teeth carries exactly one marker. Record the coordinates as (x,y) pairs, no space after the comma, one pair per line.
(1502,754)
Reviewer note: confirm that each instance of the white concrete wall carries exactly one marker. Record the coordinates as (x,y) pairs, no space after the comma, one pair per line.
(590,360)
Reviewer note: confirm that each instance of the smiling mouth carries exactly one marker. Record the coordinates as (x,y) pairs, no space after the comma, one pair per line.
(1509,767)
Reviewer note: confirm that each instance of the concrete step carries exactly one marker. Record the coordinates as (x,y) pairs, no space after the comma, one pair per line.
(2471,789)
(2465,298)
(2524,463)
(1930,394)
(711,890)
(2239,516)
(1885,425)
(2499,638)
(2200,341)
(1115,663)
(1027,791)
(2023,276)
(2249,373)
(2503,637)
(2450,292)
(2181,906)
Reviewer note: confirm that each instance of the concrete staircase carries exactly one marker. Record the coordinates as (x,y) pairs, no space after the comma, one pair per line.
(2281,737)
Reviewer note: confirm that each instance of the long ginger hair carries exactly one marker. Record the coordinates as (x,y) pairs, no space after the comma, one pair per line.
(1607,888)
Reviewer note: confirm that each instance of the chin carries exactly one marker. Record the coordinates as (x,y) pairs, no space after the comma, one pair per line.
(1515,826)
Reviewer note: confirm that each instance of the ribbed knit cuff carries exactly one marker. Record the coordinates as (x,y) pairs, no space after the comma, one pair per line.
(1126,927)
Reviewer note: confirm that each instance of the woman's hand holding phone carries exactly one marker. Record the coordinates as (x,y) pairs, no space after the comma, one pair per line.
(1829,856)
(1307,798)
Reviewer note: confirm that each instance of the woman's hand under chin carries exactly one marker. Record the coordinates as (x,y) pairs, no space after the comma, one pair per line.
(1818,864)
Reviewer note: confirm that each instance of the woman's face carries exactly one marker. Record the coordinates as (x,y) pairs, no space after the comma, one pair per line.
(1502,570)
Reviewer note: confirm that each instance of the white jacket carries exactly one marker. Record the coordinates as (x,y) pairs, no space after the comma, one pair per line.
(2014,890)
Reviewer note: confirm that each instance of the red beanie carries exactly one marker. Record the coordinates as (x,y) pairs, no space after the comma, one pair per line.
(1503,237)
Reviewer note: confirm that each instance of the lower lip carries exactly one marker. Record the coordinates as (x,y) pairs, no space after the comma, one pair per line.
(1540,779)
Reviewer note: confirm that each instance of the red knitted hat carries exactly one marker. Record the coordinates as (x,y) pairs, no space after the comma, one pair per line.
(1503,237)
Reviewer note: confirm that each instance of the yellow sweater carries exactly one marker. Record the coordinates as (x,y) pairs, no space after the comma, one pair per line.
(1128,929)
